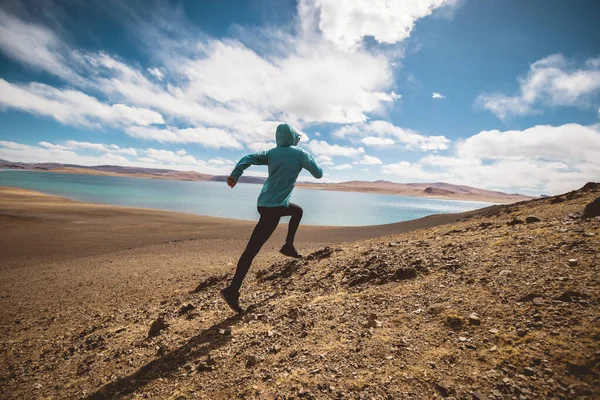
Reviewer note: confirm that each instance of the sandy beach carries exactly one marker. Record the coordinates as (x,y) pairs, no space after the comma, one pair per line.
(74,252)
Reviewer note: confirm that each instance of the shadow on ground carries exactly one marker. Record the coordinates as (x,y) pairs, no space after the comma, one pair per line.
(196,347)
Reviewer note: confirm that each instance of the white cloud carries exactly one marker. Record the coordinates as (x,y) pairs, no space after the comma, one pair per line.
(312,82)
(242,87)
(322,148)
(261,146)
(158,73)
(384,129)
(71,107)
(35,46)
(342,167)
(571,142)
(323,157)
(551,81)
(73,152)
(170,157)
(541,159)
(407,171)
(209,137)
(377,141)
(436,95)
(73,144)
(368,160)
(346,23)
(221,161)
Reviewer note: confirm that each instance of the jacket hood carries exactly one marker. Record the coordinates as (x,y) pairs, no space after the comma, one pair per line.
(286,136)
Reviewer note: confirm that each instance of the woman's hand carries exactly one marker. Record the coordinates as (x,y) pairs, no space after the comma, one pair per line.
(231,182)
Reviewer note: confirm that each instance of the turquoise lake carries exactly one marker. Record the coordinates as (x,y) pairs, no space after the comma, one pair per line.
(216,199)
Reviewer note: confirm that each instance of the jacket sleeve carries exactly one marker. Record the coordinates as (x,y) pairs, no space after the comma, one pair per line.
(308,163)
(260,158)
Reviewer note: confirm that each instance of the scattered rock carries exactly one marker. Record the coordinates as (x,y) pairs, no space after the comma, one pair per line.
(321,254)
(186,309)
(444,388)
(570,296)
(529,297)
(374,322)
(225,332)
(435,309)
(592,209)
(474,320)
(578,368)
(455,322)
(479,396)
(251,361)
(532,219)
(405,273)
(157,326)
(209,282)
(572,262)
(538,301)
(515,221)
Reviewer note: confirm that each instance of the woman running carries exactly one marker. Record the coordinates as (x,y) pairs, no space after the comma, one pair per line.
(285,163)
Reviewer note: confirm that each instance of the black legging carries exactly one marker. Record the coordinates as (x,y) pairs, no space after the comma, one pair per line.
(269,219)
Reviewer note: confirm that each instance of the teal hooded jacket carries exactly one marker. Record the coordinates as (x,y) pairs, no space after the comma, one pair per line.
(285,163)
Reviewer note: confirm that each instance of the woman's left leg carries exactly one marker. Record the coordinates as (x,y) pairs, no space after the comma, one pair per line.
(295,211)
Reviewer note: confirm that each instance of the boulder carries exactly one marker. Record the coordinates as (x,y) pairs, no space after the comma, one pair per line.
(157,326)
(592,209)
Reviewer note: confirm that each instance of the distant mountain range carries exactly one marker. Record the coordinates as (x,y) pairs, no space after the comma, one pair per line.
(438,190)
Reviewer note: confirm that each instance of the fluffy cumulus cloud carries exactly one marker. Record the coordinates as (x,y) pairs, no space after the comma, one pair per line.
(234,89)
(342,167)
(436,95)
(35,46)
(551,81)
(368,160)
(88,154)
(261,146)
(209,137)
(541,159)
(381,133)
(72,106)
(323,148)
(347,23)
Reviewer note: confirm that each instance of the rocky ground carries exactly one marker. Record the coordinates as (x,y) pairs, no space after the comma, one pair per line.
(501,305)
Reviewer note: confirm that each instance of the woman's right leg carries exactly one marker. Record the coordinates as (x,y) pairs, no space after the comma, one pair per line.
(262,232)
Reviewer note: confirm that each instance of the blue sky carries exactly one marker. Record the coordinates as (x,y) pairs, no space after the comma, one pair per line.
(494,94)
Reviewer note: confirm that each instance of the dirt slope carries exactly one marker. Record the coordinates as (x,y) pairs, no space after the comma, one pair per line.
(489,307)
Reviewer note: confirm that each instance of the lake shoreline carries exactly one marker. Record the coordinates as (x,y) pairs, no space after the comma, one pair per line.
(52,226)
(216,199)
(347,187)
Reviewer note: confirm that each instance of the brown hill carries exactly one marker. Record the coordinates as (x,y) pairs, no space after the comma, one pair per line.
(503,304)
(432,190)
(435,190)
